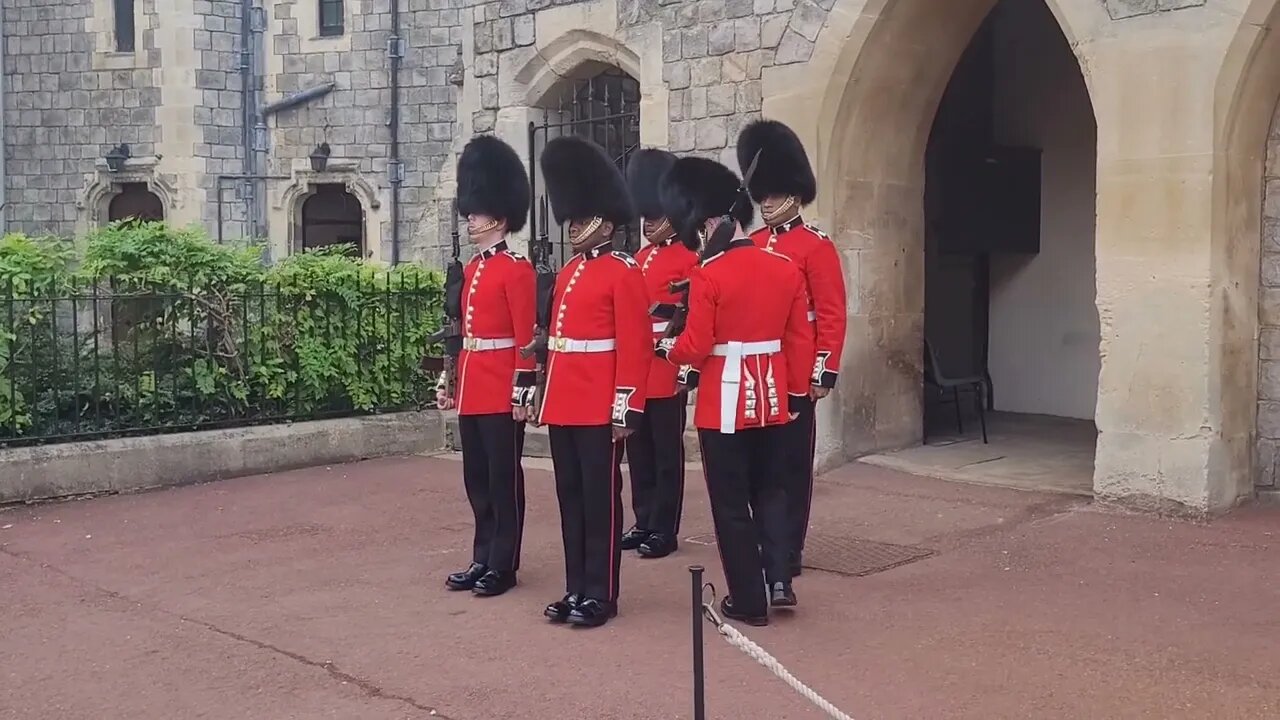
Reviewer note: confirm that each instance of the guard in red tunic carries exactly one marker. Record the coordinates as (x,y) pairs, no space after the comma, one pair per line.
(783,184)
(600,346)
(747,333)
(655,451)
(493,195)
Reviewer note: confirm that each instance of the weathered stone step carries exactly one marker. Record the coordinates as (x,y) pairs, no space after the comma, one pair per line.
(538,445)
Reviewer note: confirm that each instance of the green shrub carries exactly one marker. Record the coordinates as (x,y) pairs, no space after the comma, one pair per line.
(32,272)
(161,328)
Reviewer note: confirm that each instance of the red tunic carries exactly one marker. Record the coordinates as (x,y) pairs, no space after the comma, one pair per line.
(498,317)
(816,257)
(663,263)
(732,312)
(600,344)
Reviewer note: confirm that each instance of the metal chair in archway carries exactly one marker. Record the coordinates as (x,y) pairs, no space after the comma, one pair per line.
(937,377)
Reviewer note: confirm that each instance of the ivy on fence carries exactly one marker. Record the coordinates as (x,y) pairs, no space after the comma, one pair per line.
(148,328)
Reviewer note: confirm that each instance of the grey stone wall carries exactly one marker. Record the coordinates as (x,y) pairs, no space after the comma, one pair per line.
(1268,428)
(219,113)
(354,118)
(713,52)
(62,114)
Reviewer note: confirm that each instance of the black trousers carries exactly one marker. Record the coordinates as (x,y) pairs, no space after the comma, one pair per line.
(588,466)
(655,453)
(799,443)
(748,508)
(491,470)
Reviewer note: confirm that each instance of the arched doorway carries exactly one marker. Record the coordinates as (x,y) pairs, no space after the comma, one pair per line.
(135,202)
(968,151)
(330,216)
(598,102)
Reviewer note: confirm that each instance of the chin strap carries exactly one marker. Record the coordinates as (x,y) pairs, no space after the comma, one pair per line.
(587,231)
(773,218)
(491,225)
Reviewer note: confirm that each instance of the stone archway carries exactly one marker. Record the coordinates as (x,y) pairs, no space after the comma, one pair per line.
(135,202)
(1246,232)
(330,214)
(891,69)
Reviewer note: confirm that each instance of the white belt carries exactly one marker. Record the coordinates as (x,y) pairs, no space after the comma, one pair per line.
(660,326)
(475,344)
(812,316)
(731,377)
(569,345)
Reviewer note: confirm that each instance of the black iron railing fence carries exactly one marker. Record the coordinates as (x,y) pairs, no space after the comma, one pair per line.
(92,360)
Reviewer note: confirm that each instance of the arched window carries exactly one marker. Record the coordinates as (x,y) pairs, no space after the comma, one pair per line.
(600,103)
(332,216)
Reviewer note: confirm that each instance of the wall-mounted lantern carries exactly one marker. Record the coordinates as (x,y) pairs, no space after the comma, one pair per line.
(320,157)
(116,156)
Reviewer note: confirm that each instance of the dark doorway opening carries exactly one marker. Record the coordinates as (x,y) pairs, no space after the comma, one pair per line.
(136,203)
(332,216)
(1009,255)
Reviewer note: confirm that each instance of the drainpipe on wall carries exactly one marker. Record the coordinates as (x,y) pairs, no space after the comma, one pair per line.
(4,175)
(395,169)
(247,113)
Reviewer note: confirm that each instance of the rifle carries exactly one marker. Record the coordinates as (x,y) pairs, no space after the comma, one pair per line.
(450,332)
(540,251)
(677,313)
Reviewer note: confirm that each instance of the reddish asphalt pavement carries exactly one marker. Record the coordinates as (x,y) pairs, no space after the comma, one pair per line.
(318,594)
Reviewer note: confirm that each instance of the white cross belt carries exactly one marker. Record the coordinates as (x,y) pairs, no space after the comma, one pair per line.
(734,352)
(570,345)
(476,344)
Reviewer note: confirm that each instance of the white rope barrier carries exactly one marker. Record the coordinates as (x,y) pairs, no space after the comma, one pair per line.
(757,653)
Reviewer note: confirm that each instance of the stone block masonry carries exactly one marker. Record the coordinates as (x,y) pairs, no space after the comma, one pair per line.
(1267,462)
(220,112)
(354,119)
(68,99)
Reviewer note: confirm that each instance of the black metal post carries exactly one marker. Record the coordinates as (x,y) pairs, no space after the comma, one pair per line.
(699,692)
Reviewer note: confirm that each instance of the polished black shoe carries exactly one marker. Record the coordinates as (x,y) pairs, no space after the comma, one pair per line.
(726,609)
(658,545)
(781,595)
(559,610)
(495,582)
(634,538)
(592,613)
(466,579)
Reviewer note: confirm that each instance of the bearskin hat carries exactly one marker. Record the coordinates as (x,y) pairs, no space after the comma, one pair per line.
(783,168)
(695,190)
(583,182)
(492,181)
(643,174)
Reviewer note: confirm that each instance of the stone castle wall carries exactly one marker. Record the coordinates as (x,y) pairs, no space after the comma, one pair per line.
(68,99)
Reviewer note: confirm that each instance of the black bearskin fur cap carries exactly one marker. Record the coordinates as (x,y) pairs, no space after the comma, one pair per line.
(583,182)
(643,175)
(783,168)
(492,181)
(695,190)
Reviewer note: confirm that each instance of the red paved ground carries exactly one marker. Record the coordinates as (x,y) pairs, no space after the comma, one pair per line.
(317,594)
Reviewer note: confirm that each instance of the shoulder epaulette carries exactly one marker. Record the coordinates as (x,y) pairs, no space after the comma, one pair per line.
(515,255)
(775,253)
(626,258)
(816,231)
